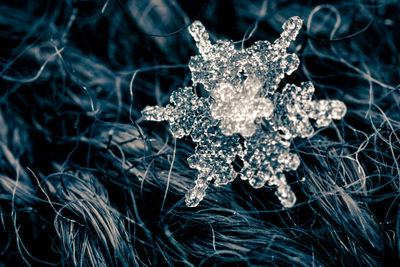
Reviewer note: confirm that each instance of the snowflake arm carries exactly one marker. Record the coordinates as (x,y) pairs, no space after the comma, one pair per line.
(183,115)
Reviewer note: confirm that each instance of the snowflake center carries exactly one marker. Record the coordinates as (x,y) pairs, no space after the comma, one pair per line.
(237,107)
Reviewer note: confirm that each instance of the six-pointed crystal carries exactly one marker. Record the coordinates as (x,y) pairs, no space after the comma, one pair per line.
(244,118)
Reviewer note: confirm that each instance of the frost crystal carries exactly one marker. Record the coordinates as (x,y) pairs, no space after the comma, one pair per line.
(244,119)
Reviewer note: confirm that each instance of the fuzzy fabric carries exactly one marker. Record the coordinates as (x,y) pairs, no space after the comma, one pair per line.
(84,181)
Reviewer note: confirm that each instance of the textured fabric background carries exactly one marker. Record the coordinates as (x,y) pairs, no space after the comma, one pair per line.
(84,181)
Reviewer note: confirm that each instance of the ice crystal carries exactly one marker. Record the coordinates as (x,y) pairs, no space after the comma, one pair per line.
(244,118)
(238,109)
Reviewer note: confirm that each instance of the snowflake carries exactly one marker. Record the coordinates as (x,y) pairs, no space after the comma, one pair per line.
(244,118)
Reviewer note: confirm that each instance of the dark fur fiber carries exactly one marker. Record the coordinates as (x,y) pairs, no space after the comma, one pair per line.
(84,181)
